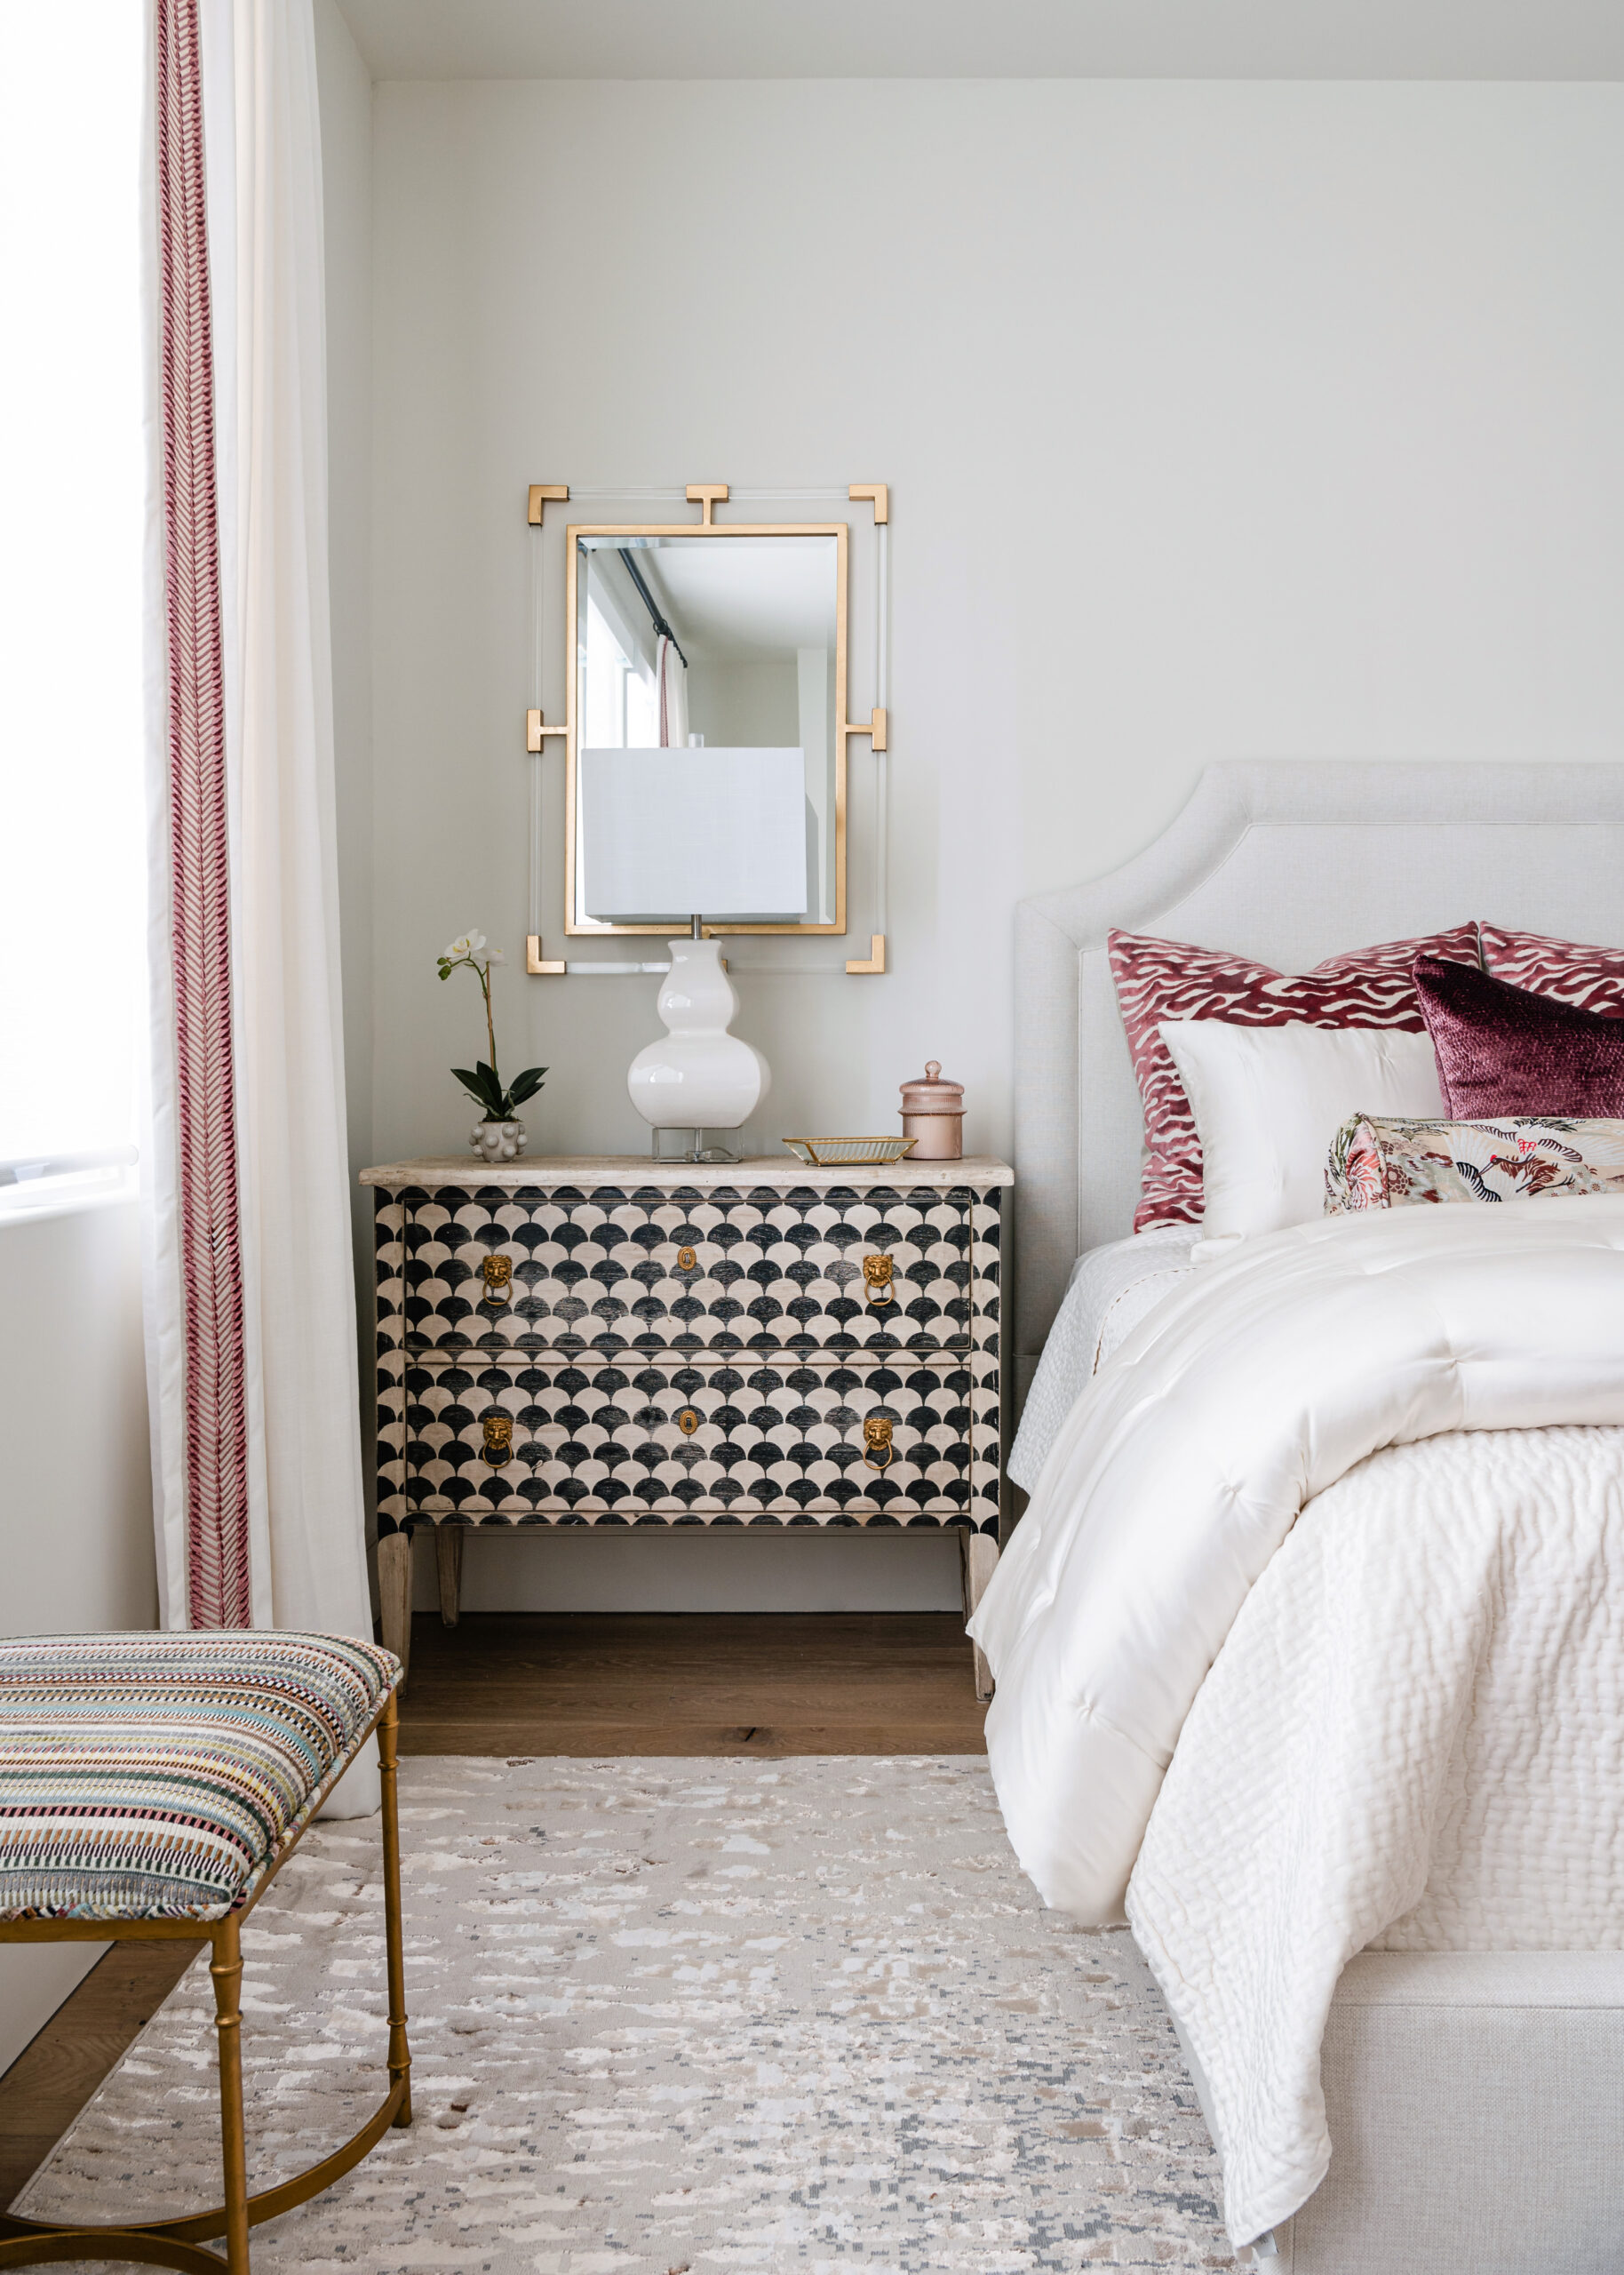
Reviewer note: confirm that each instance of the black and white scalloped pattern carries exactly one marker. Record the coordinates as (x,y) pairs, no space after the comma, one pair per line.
(664,1355)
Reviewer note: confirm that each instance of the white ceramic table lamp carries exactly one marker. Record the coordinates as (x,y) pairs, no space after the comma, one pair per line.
(719,833)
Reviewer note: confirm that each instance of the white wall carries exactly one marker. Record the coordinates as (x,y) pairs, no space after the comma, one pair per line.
(76,1491)
(1221,419)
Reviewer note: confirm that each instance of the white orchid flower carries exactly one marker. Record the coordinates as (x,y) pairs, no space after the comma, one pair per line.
(497,1100)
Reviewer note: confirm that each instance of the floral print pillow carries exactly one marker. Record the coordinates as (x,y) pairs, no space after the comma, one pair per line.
(1380,1162)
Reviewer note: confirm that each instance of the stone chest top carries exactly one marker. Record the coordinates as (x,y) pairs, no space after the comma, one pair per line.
(585,1171)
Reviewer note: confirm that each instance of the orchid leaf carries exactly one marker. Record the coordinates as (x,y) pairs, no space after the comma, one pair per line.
(486,1092)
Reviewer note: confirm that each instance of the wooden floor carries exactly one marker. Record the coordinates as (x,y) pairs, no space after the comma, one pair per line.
(743,1683)
(52,2080)
(686,1683)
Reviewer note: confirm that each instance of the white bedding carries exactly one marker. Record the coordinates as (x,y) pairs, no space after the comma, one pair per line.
(1110,1291)
(1403,1649)
(1416,1723)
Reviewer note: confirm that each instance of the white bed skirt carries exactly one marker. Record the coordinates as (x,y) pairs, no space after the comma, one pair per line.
(1477,2102)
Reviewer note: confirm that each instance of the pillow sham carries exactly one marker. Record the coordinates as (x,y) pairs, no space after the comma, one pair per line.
(1169,979)
(1377,1163)
(1502,1050)
(1591,979)
(1269,1101)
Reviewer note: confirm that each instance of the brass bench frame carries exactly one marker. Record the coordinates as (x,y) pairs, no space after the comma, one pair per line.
(175,2242)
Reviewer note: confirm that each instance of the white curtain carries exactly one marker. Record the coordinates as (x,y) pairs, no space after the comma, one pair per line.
(306,1523)
(671,673)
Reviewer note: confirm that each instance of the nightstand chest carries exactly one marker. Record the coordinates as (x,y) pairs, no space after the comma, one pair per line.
(604,1342)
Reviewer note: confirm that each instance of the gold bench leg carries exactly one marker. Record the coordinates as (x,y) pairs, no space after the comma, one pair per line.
(226,1968)
(400,2057)
(175,2242)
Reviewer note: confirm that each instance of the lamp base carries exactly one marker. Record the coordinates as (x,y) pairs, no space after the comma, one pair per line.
(696,1149)
(697,1077)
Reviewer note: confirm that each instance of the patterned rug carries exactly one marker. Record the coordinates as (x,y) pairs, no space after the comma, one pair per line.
(674,2015)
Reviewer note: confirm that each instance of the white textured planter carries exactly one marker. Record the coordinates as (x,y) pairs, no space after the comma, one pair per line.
(699,1076)
(498,1141)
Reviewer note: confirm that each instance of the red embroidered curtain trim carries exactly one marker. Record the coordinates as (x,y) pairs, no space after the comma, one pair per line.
(210,1258)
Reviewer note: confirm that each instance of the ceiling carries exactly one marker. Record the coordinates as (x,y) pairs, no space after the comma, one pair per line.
(740,599)
(976,39)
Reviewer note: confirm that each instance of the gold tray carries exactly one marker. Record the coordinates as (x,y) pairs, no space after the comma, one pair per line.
(832,1153)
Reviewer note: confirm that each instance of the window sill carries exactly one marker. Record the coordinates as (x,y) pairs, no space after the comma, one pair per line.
(67,1186)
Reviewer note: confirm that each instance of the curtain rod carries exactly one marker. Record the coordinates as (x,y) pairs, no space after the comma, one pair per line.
(660,624)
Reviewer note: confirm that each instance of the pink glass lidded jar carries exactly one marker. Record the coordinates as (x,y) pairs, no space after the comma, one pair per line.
(932,1116)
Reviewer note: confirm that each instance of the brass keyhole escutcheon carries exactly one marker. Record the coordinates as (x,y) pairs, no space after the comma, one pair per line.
(499,1430)
(877,1274)
(688,1421)
(877,1439)
(498,1272)
(686,1259)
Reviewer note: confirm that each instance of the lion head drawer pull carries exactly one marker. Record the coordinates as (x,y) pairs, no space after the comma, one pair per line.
(877,1441)
(688,1421)
(686,1259)
(499,1430)
(498,1274)
(877,1274)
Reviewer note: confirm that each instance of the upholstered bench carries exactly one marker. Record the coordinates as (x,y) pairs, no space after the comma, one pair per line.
(153,1785)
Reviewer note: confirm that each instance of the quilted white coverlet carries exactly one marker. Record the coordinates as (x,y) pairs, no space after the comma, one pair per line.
(1307,1819)
(1412,1741)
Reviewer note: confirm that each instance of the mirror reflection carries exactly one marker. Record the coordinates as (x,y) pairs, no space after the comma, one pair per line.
(724,651)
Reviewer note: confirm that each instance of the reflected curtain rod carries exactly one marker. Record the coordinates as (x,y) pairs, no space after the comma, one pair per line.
(646,597)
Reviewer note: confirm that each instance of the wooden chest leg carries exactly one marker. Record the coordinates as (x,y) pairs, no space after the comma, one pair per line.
(978,1555)
(447,1563)
(394,1594)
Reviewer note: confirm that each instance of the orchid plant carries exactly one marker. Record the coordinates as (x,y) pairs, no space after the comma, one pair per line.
(482,1082)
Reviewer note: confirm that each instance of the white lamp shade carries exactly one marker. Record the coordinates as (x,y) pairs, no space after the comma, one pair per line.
(694,832)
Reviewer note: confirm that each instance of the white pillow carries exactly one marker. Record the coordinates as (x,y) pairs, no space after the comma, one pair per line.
(1267,1103)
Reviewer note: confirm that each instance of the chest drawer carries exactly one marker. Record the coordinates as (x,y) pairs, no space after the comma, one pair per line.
(614,1272)
(592,1440)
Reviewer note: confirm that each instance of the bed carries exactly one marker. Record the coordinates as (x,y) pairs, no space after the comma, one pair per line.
(1473,2091)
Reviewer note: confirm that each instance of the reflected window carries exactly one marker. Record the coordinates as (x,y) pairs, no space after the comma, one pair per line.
(622,700)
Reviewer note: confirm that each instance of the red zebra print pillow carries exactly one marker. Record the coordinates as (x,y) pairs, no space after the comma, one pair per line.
(1168,979)
(1589,980)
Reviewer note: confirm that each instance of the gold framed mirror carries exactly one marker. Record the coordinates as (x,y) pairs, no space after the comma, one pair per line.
(705,730)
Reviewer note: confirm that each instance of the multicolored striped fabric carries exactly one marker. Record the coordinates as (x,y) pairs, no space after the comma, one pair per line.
(152,1777)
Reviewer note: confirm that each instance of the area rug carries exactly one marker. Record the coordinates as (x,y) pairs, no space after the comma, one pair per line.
(675,2016)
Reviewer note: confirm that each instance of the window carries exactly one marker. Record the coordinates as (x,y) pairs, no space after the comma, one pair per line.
(72,489)
(622,700)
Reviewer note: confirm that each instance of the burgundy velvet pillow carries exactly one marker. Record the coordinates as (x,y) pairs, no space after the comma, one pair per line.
(1169,979)
(1501,1050)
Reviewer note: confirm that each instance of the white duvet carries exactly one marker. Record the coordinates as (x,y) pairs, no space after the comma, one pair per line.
(1438,1643)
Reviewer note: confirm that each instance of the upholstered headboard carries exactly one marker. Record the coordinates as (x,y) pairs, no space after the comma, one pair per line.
(1288,861)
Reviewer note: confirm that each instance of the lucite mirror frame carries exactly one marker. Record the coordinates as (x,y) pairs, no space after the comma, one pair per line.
(722,532)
